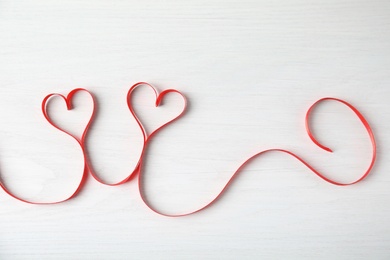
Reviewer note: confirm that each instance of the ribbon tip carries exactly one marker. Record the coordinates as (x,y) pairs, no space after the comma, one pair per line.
(327,149)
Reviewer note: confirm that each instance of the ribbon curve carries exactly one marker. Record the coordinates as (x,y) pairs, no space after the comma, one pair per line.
(88,167)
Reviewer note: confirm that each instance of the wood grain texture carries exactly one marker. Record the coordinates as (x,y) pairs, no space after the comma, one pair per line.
(250,69)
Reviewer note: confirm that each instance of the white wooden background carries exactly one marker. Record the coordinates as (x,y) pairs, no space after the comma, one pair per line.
(250,69)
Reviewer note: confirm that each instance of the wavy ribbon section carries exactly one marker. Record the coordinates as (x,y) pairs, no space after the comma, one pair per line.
(148,137)
(80,141)
(246,162)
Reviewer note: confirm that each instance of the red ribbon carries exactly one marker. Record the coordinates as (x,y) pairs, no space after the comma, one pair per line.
(148,137)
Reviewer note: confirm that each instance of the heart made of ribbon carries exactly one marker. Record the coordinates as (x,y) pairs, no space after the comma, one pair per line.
(69,105)
(159,97)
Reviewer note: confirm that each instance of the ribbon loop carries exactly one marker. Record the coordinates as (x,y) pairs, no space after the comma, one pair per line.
(159,97)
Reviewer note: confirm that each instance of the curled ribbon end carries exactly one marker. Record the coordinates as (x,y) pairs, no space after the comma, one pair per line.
(315,140)
(327,149)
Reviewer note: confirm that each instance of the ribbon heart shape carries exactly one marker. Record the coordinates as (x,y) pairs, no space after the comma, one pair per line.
(82,140)
(159,100)
(69,105)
